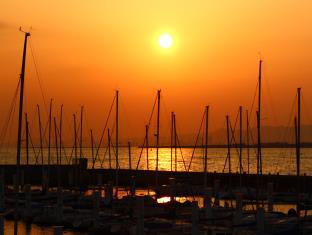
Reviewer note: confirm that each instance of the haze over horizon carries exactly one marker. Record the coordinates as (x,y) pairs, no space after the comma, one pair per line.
(84,51)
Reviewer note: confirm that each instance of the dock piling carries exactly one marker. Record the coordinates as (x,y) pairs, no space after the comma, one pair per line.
(195,218)
(207,203)
(140,216)
(270,197)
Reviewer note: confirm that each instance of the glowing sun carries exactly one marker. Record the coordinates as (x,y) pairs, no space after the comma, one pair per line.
(165,40)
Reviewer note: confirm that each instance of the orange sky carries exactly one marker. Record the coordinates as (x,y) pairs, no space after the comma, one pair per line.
(85,50)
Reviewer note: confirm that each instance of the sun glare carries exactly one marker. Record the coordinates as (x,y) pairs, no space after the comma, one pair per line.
(165,40)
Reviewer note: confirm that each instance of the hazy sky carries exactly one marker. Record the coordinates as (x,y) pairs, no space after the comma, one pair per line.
(85,50)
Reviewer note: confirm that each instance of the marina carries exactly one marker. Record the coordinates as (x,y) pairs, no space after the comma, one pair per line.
(77,173)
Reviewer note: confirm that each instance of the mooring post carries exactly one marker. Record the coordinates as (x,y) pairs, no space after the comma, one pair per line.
(16,186)
(270,196)
(172,189)
(133,186)
(109,194)
(207,203)
(239,207)
(27,189)
(99,180)
(96,207)
(140,215)
(260,221)
(22,178)
(2,193)
(195,218)
(216,192)
(59,206)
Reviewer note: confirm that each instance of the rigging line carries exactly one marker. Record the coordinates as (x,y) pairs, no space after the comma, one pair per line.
(125,115)
(233,137)
(148,126)
(112,131)
(227,155)
(11,109)
(38,77)
(103,133)
(102,162)
(272,105)
(288,132)
(33,148)
(178,141)
(254,99)
(196,141)
(167,121)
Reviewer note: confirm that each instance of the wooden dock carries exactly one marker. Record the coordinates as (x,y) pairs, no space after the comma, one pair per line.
(78,175)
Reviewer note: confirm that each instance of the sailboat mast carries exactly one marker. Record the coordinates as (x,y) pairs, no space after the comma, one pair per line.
(175,142)
(20,115)
(206,147)
(157,134)
(259,159)
(92,150)
(298,145)
(75,139)
(81,125)
(240,144)
(229,150)
(146,136)
(171,142)
(129,152)
(117,140)
(228,142)
(49,138)
(27,139)
(299,131)
(247,139)
(61,127)
(40,134)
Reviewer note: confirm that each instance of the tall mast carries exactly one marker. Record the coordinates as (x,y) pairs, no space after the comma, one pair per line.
(61,121)
(49,139)
(157,134)
(27,139)
(41,147)
(298,145)
(247,139)
(56,150)
(146,136)
(171,142)
(75,139)
(258,165)
(259,159)
(240,144)
(92,150)
(56,141)
(20,116)
(229,149)
(81,125)
(129,151)
(117,140)
(228,141)
(299,131)
(175,142)
(206,148)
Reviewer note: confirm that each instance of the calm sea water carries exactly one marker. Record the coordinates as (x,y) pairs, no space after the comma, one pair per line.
(275,160)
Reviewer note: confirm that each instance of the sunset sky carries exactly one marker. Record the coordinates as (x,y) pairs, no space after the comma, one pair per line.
(85,50)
